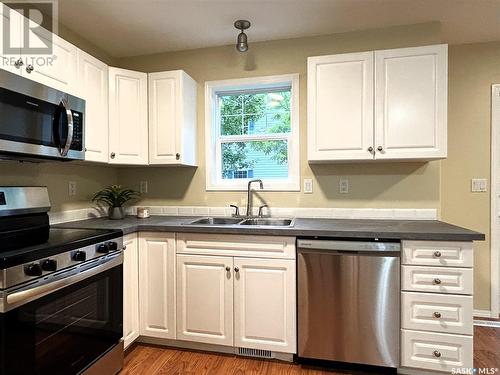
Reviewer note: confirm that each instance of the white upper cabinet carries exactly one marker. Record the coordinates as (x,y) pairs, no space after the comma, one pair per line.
(389,104)
(14,22)
(411,102)
(93,81)
(58,69)
(172,118)
(128,117)
(340,107)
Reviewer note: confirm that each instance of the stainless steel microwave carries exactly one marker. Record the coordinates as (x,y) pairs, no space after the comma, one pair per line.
(37,121)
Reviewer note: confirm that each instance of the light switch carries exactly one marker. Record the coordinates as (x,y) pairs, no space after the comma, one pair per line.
(479,185)
(308,185)
(144,187)
(344,186)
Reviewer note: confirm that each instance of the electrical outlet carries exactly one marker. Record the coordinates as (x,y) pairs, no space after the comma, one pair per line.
(72,188)
(344,186)
(479,185)
(144,187)
(308,185)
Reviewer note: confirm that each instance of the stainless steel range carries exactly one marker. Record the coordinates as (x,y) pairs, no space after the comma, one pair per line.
(61,296)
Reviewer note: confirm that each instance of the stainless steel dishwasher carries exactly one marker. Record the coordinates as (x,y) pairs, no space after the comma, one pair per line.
(348,301)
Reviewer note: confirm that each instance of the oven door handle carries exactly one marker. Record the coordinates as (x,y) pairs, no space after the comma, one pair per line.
(69,139)
(22,297)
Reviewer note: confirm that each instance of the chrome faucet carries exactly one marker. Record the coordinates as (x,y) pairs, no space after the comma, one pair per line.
(249,195)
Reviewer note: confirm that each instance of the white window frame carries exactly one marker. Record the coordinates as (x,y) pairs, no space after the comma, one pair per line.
(214,181)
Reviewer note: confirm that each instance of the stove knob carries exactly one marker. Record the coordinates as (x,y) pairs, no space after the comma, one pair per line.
(79,256)
(33,269)
(49,265)
(103,248)
(113,246)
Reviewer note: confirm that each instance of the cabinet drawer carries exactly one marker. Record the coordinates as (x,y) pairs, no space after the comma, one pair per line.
(438,253)
(435,351)
(437,279)
(236,245)
(437,312)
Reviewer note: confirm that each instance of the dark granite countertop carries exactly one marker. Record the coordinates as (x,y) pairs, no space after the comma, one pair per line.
(304,227)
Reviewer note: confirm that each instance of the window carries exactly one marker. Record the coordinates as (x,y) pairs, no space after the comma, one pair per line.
(252,132)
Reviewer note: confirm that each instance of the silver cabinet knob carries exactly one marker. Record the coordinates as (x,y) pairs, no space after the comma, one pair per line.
(436,353)
(437,254)
(228,269)
(437,281)
(177,156)
(437,315)
(380,148)
(370,149)
(30,68)
(124,247)
(236,269)
(19,63)
(112,155)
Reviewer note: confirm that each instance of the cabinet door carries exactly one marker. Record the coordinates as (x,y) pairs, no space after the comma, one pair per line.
(12,20)
(264,304)
(205,299)
(157,284)
(164,117)
(172,118)
(340,107)
(57,70)
(128,117)
(411,102)
(130,289)
(93,81)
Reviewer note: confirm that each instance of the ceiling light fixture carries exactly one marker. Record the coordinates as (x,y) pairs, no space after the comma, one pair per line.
(242,41)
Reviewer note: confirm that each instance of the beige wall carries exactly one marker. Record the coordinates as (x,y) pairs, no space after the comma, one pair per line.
(371,184)
(472,70)
(56,175)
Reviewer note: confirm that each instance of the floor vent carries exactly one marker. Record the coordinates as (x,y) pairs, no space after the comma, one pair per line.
(255,353)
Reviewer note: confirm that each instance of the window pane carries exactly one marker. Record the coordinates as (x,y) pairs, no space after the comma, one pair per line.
(262,113)
(256,159)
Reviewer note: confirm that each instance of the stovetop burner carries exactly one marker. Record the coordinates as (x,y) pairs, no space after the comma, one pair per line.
(58,240)
(25,234)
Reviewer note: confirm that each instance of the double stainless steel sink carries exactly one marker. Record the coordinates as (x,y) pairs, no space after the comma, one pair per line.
(224,221)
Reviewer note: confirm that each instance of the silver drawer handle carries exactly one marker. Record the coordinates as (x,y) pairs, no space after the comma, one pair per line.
(437,281)
(437,315)
(437,353)
(437,254)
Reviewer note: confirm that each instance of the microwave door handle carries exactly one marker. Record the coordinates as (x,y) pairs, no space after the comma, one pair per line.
(64,150)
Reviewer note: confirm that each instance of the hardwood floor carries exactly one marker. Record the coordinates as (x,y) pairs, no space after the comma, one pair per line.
(148,360)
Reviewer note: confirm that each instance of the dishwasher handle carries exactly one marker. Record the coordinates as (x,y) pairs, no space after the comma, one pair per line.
(349,246)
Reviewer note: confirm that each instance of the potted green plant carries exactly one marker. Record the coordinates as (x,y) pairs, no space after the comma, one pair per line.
(115,196)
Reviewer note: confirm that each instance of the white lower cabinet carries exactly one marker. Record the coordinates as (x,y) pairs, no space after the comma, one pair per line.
(235,301)
(157,284)
(264,304)
(436,305)
(205,299)
(435,351)
(130,289)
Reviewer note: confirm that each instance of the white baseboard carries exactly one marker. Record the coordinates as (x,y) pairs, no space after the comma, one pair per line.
(482,313)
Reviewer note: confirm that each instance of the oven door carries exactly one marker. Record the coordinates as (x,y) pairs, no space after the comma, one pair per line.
(65,331)
(38,120)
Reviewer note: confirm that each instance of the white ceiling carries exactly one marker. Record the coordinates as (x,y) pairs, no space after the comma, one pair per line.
(137,27)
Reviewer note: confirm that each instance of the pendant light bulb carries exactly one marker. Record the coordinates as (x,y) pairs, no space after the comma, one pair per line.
(242,40)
